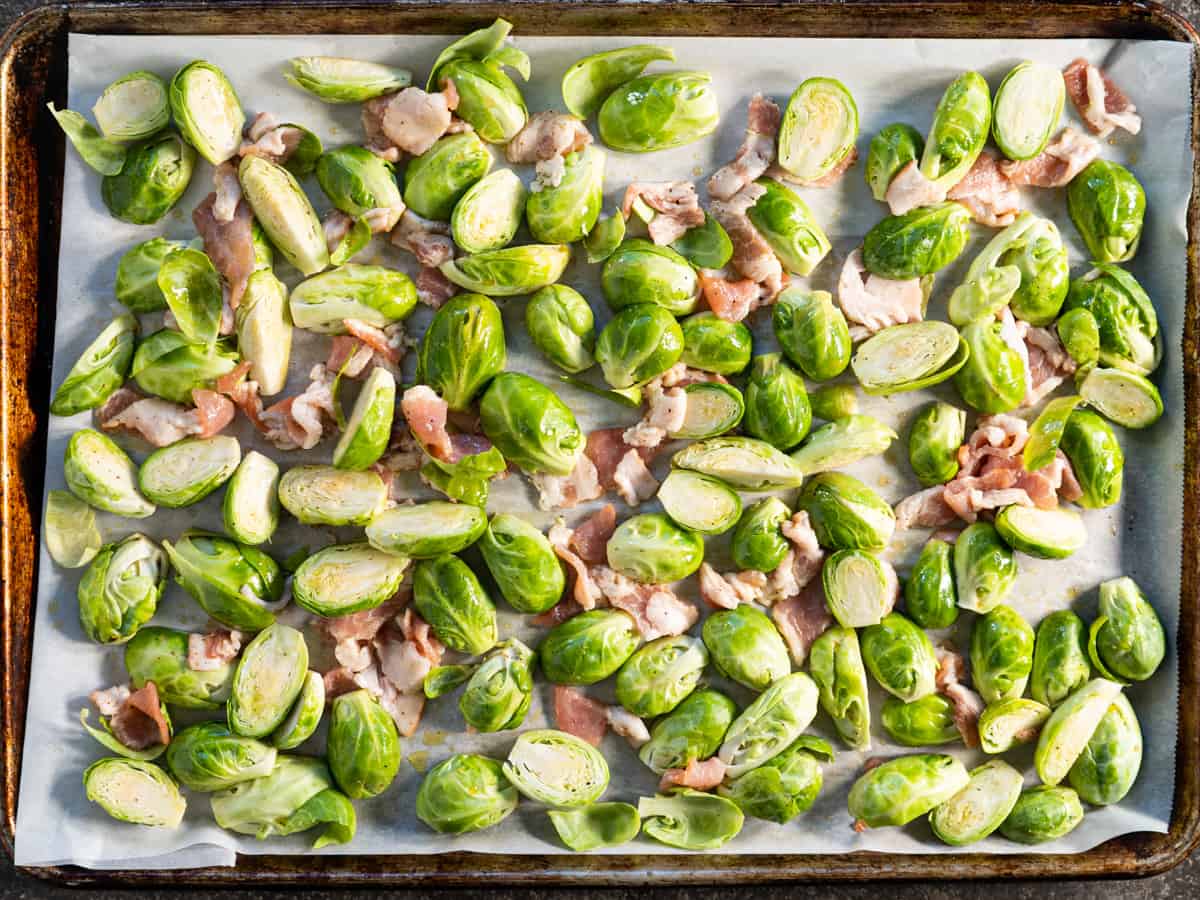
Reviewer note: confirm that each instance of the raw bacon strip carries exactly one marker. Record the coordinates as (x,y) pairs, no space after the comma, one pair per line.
(1064,158)
(666,413)
(676,203)
(213,412)
(109,700)
(425,413)
(987,193)
(909,188)
(547,135)
(299,422)
(413,120)
(268,139)
(228,191)
(700,775)
(590,539)
(390,346)
(1103,106)
(924,509)
(348,356)
(605,449)
(567,491)
(729,590)
(756,154)
(1049,362)
(634,481)
(209,652)
(874,302)
(580,715)
(372,121)
(364,625)
(802,619)
(139,723)
(557,614)
(434,288)
(729,300)
(967,704)
(654,607)
(627,725)
(586,593)
(753,257)
(427,240)
(160,422)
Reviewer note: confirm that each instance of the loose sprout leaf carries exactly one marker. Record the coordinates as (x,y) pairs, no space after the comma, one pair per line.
(72,537)
(1046,432)
(587,84)
(109,740)
(352,243)
(101,154)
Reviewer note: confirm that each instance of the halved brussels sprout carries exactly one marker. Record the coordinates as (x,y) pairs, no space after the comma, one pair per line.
(489,44)
(438,178)
(859,588)
(818,130)
(267,681)
(510,270)
(347,578)
(462,349)
(323,495)
(993,377)
(638,344)
(450,598)
(1066,733)
(984,568)
(152,179)
(161,655)
(336,79)
(842,442)
(657,112)
(846,514)
(918,243)
(135,791)
(589,647)
(530,425)
(920,723)
(714,345)
(690,820)
(1025,113)
(1107,205)
(909,357)
(899,790)
(936,434)
(1126,324)
(207,111)
(835,661)
(192,288)
(357,181)
(661,675)
(136,285)
(372,294)
(363,746)
(651,549)
(699,503)
(522,563)
(929,595)
(1045,434)
(499,692)
(170,366)
(1130,400)
(465,793)
(489,213)
(1043,813)
(426,529)
(560,324)
(1110,762)
(1005,724)
(777,408)
(596,825)
(100,369)
(1044,533)
(105,156)
(264,331)
(1126,641)
(121,588)
(70,532)
(369,429)
(304,716)
(785,786)
(900,656)
(783,218)
(1001,654)
(757,541)
(712,409)
(893,147)
(746,647)
(605,237)
(1096,458)
(959,130)
(285,214)
(100,474)
(568,211)
(705,246)
(770,724)
(743,463)
(489,101)
(640,272)
(590,80)
(1080,335)
(209,757)
(982,806)
(694,730)
(189,470)
(556,768)
(1060,663)
(235,584)
(812,332)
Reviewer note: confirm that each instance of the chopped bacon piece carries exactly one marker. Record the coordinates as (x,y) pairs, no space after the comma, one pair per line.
(548,173)
(566,491)
(139,723)
(160,422)
(348,356)
(228,191)
(109,700)
(628,726)
(427,240)
(801,564)
(413,120)
(874,302)
(590,539)
(210,652)
(372,122)
(402,661)
(802,619)
(681,375)
(987,193)
(586,592)
(363,625)
(753,257)
(700,775)
(389,346)
(580,715)
(382,219)
(1049,362)
(547,135)
(654,607)
(666,413)
(1103,106)
(606,447)
(268,139)
(425,413)
(729,300)
(434,288)
(1064,158)
(729,590)
(676,205)
(339,681)
(967,704)
(756,154)
(635,482)
(909,188)
(558,613)
(213,412)
(924,509)
(299,422)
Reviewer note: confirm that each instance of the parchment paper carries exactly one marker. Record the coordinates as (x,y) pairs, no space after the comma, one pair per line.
(890,80)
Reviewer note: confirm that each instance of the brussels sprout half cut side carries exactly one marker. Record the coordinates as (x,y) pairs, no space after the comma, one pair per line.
(189,470)
(1130,400)
(135,791)
(264,331)
(909,357)
(819,127)
(979,808)
(712,409)
(100,474)
(859,588)
(489,213)
(285,214)
(768,726)
(323,495)
(305,715)
(1010,722)
(1066,733)
(369,428)
(1044,533)
(426,529)
(556,768)
(347,578)
(69,529)
(267,681)
(840,443)
(742,463)
(509,271)
(589,81)
(1026,110)
(690,820)
(336,79)
(699,503)
(207,111)
(250,510)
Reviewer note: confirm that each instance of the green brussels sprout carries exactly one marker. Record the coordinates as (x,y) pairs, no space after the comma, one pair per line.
(918,243)
(489,213)
(845,513)
(207,111)
(835,661)
(499,691)
(661,675)
(746,647)
(568,211)
(840,443)
(812,332)
(363,747)
(170,366)
(605,237)
(120,590)
(161,655)
(438,178)
(589,647)
(556,768)
(893,147)
(530,425)
(336,79)
(463,349)
(757,542)
(522,563)
(347,578)
(690,820)
(1079,333)
(1126,641)
(699,503)
(154,176)
(70,531)
(488,99)
(817,132)
(1044,533)
(134,791)
(465,793)
(705,246)
(590,80)
(486,45)
(192,288)
(1095,457)
(268,679)
(189,470)
(640,272)
(209,757)
(1025,113)
(264,331)
(1125,319)
(638,344)
(235,584)
(929,596)
(468,480)
(100,474)
(859,587)
(1132,401)
(1043,813)
(450,598)
(136,285)
(1060,663)
(651,549)
(1009,722)
(909,357)
(743,463)
(304,716)
(298,795)
(984,568)
(372,294)
(1107,205)
(783,787)
(1001,654)
(770,724)
(979,808)
(357,181)
(937,432)
(1069,728)
(959,130)
(900,656)
(285,214)
(510,270)
(694,730)
(714,345)
(367,433)
(323,495)
(100,369)
(658,112)
(901,789)
(596,825)
(560,324)
(1110,762)
(105,156)
(777,411)
(426,530)
(787,224)
(712,409)
(920,723)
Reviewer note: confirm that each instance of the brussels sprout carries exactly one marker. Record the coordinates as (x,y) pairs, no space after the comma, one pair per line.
(556,768)
(189,470)
(1028,104)
(1125,320)
(1060,663)
(347,578)
(100,369)
(207,111)
(235,584)
(705,246)
(918,243)
(468,480)
(746,647)
(596,825)
(1107,205)
(785,221)
(910,357)
(984,568)
(757,541)
(812,332)
(465,793)
(135,791)
(1130,400)
(712,409)
(699,503)
(509,271)
(264,331)
(846,514)
(304,716)
(605,237)
(1009,722)
(121,588)
(638,344)
(1044,533)
(323,495)
(1110,762)
(589,647)
(818,131)
(1069,728)
(426,529)
(929,596)
(900,656)
(489,213)
(336,79)
(136,285)
(363,748)
(100,474)
(840,443)
(463,349)
(170,366)
(657,112)
(522,563)
(901,789)
(981,806)
(484,44)
(499,692)
(778,411)
(285,214)
(105,156)
(590,80)
(152,179)
(530,425)
(714,345)
(694,730)
(836,664)
(1045,434)
(859,587)
(1043,813)
(369,429)
(267,681)
(568,211)
(959,130)
(1001,654)
(1079,333)
(372,294)
(651,549)
(937,432)
(743,463)
(892,148)
(438,178)
(783,787)
(161,655)
(920,723)
(661,675)
(357,181)
(1126,641)
(489,101)
(690,820)
(192,288)
(833,401)
(297,795)
(770,724)
(450,598)
(1095,457)
(209,757)
(71,535)
(560,324)
(640,272)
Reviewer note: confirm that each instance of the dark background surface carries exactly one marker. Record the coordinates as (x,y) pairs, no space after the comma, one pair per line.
(1184,881)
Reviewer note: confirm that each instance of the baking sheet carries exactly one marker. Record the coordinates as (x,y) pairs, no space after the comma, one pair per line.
(890,80)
